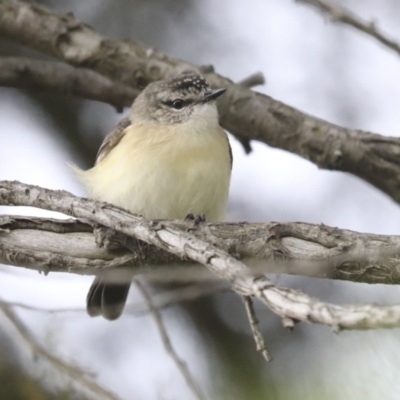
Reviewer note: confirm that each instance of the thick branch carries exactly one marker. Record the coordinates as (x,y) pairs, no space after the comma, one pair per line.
(287,303)
(292,248)
(29,73)
(247,114)
(347,17)
(58,246)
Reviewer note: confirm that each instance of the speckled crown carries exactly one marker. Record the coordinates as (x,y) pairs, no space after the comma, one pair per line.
(189,83)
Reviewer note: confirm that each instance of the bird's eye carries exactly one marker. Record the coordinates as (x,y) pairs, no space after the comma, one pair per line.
(178,104)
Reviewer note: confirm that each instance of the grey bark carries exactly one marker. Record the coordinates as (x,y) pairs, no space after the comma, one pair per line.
(289,304)
(247,114)
(295,248)
(57,77)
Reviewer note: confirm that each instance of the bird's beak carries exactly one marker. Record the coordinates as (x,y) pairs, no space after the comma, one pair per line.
(213,95)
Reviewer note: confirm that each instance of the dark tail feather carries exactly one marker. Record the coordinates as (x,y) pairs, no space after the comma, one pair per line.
(114,299)
(106,299)
(93,299)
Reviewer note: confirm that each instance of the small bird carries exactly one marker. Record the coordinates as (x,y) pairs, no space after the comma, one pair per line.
(168,159)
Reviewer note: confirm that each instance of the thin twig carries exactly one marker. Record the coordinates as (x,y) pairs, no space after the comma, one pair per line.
(252,80)
(185,294)
(160,301)
(347,17)
(253,320)
(77,374)
(249,82)
(181,365)
(46,310)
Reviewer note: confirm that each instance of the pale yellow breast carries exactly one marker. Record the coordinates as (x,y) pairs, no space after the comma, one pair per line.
(165,172)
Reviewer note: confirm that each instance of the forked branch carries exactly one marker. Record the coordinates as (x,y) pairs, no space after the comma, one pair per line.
(287,303)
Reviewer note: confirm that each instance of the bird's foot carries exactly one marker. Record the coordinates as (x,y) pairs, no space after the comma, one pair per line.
(196,219)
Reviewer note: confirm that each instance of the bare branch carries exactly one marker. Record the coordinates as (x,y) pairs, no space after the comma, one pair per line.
(249,82)
(46,310)
(160,301)
(287,303)
(181,365)
(78,375)
(253,320)
(180,295)
(248,115)
(253,80)
(29,73)
(345,16)
(290,248)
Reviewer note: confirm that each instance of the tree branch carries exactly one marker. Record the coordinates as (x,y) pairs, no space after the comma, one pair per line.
(287,303)
(180,364)
(57,77)
(247,114)
(257,335)
(292,248)
(77,375)
(252,80)
(161,301)
(345,16)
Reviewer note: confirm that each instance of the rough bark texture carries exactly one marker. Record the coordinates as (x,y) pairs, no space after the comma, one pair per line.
(291,248)
(247,114)
(63,79)
(289,304)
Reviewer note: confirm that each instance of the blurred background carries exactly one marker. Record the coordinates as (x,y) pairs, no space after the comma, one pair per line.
(330,71)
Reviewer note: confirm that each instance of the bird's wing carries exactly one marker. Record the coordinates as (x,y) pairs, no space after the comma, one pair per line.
(112,139)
